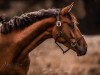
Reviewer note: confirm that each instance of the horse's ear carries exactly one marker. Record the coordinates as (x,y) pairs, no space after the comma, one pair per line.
(67,8)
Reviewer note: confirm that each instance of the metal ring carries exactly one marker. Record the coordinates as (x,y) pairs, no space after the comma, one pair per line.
(73,44)
(58,23)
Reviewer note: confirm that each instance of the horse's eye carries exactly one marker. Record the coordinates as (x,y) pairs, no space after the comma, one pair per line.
(65,14)
(68,16)
(72,26)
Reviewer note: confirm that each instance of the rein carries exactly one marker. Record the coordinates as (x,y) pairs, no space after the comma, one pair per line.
(60,34)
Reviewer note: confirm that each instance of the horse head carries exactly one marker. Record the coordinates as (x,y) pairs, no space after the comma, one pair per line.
(67,32)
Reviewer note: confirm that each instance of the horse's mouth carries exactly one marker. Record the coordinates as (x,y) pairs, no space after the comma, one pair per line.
(80,50)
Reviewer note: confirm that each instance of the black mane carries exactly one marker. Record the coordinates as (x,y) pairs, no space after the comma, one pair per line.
(27,19)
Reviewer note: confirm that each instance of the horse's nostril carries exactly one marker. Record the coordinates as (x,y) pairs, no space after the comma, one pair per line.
(81,52)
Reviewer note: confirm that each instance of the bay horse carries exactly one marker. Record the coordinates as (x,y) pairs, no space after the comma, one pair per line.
(21,34)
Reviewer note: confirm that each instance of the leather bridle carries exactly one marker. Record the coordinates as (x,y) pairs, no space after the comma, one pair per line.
(60,34)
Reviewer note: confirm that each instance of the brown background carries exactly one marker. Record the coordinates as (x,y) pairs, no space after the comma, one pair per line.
(47,58)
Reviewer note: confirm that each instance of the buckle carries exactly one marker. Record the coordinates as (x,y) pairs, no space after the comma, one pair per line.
(74,44)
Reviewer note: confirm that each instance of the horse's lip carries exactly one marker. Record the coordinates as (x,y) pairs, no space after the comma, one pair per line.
(80,50)
(81,54)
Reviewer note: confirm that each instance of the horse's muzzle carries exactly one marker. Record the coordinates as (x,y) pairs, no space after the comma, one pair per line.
(80,50)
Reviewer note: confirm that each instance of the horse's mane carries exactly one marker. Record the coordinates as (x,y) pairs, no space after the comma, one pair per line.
(26,19)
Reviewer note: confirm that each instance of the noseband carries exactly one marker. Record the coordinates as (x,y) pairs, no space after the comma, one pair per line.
(60,34)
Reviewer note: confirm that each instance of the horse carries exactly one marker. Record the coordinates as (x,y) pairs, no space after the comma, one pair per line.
(21,34)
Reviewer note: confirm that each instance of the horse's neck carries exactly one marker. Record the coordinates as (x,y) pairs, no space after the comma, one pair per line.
(23,41)
(39,31)
(34,44)
(32,32)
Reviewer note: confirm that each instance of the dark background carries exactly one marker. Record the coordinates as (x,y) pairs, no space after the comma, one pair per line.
(87,11)
(47,58)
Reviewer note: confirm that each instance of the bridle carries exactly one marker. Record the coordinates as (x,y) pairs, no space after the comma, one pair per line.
(60,34)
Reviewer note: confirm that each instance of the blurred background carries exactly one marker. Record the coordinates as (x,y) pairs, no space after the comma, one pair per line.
(47,58)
